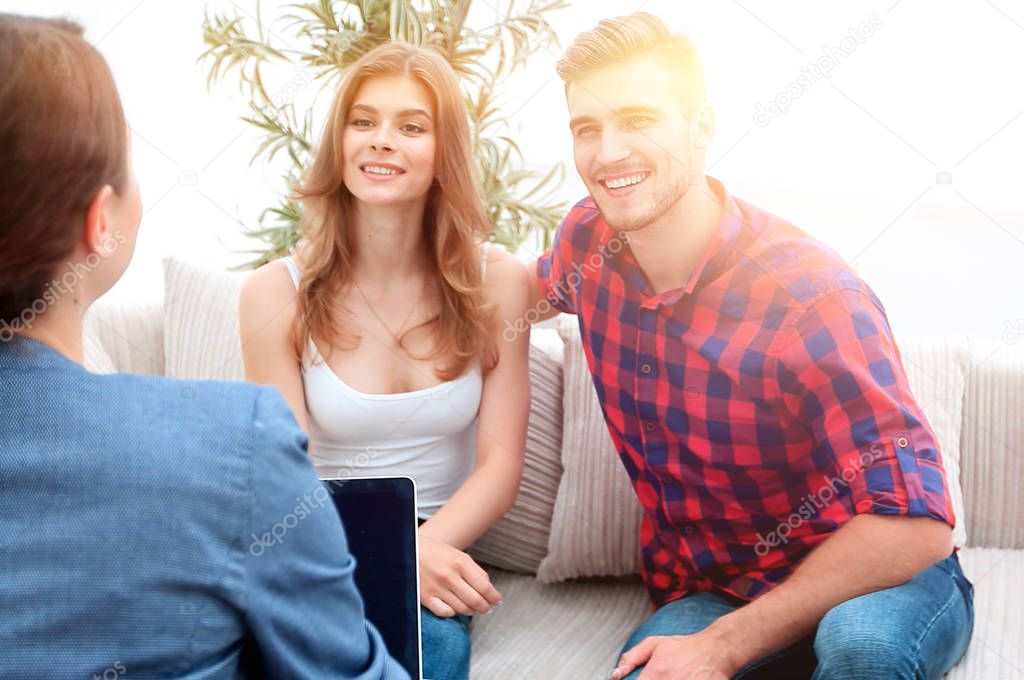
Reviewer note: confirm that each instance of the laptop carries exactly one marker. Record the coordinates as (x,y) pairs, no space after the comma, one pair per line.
(379,515)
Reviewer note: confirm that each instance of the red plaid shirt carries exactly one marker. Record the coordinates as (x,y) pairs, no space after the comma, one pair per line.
(757,409)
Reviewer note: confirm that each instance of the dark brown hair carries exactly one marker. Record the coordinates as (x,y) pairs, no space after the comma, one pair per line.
(62,138)
(454,223)
(622,39)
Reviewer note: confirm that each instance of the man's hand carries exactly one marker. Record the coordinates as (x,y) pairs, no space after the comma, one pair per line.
(704,656)
(451,582)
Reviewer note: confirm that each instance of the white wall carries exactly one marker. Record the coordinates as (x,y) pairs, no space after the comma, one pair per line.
(858,158)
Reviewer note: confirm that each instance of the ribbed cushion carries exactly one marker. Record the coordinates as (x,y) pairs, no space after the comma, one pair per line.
(595,530)
(576,629)
(131,337)
(519,540)
(993,445)
(201,335)
(571,631)
(996,651)
(96,359)
(936,369)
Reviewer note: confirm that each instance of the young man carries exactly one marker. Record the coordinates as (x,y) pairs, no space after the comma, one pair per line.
(134,510)
(796,514)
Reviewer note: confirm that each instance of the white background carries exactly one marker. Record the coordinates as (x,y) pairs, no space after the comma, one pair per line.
(855,161)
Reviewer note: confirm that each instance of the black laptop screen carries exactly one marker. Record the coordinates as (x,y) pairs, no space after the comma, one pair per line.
(379,516)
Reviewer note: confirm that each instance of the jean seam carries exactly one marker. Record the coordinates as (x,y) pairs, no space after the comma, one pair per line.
(931,624)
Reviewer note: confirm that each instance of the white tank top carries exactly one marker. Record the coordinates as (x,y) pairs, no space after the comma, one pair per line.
(428,434)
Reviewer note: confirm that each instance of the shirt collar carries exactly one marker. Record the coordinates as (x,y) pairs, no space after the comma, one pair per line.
(21,353)
(717,256)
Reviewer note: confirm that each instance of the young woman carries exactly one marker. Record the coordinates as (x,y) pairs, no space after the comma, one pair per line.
(383,331)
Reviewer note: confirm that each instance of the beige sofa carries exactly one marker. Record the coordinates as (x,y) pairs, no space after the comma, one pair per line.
(566,556)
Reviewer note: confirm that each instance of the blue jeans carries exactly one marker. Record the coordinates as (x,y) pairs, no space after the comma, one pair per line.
(445,646)
(915,630)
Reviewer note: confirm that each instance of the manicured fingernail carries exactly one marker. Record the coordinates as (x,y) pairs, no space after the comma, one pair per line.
(499,603)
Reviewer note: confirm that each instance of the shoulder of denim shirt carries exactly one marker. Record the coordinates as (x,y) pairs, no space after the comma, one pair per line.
(232,404)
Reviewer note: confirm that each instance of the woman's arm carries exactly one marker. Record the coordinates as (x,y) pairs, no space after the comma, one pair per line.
(501,441)
(267,310)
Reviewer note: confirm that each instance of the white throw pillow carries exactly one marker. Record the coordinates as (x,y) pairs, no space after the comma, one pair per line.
(131,335)
(595,530)
(96,359)
(519,540)
(992,467)
(201,335)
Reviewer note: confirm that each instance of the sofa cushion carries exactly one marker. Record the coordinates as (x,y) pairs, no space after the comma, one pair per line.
(595,528)
(201,335)
(519,540)
(576,629)
(563,630)
(995,650)
(993,444)
(131,337)
(96,359)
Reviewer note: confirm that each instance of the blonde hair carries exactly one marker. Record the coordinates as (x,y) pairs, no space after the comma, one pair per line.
(628,37)
(454,219)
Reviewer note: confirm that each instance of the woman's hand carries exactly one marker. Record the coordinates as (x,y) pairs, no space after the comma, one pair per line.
(451,582)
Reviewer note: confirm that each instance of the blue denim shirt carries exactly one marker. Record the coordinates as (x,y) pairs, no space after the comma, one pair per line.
(153,528)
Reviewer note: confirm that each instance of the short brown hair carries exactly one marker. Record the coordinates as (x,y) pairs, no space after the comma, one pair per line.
(628,37)
(62,138)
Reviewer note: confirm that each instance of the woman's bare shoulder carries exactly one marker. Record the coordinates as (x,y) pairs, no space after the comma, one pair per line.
(268,297)
(505,281)
(502,262)
(272,278)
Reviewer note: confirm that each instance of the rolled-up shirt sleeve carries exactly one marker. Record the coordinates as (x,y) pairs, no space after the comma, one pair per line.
(302,606)
(841,374)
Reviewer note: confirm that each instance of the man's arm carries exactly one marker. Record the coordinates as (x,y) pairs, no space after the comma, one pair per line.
(555,276)
(301,603)
(542,306)
(868,553)
(844,381)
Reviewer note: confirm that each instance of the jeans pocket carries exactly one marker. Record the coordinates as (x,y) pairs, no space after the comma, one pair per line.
(951,565)
(961,578)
